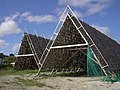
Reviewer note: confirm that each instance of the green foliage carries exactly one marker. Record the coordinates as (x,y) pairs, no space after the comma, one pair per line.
(9,59)
(5,66)
(11,54)
(2,55)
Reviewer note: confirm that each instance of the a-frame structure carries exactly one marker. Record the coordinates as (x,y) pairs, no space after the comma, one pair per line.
(67,48)
(31,49)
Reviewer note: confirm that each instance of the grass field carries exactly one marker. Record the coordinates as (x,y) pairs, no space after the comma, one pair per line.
(11,79)
(16,72)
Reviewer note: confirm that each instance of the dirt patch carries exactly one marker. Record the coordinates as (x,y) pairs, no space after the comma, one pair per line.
(28,82)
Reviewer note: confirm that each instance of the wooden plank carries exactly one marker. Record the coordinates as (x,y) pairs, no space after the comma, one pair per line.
(24,55)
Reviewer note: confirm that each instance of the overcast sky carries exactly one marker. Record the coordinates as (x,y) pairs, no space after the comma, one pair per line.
(42,16)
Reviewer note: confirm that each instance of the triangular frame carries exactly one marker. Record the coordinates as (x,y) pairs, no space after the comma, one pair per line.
(32,49)
(62,19)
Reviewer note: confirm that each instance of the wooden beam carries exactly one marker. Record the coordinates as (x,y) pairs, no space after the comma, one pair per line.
(66,46)
(24,55)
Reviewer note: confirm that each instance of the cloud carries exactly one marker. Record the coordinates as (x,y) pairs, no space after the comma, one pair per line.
(59,11)
(3,43)
(75,3)
(38,18)
(98,6)
(9,27)
(25,14)
(12,17)
(90,6)
(16,47)
(41,18)
(78,14)
(1,51)
(105,30)
(83,3)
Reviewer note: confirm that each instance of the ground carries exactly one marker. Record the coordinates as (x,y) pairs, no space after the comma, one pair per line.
(26,80)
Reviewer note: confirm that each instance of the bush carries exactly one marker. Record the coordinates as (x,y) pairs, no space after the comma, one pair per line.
(9,59)
(6,66)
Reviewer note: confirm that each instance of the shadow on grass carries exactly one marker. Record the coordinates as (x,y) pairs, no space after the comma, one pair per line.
(1,86)
(28,82)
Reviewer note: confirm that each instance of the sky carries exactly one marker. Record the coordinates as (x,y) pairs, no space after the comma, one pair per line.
(42,16)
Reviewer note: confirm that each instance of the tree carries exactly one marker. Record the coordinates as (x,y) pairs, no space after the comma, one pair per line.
(2,55)
(9,59)
(11,54)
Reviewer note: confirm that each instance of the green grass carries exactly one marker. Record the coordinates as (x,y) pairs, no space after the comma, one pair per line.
(11,71)
(78,74)
(16,72)
(1,86)
(5,66)
(69,79)
(28,82)
(7,69)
